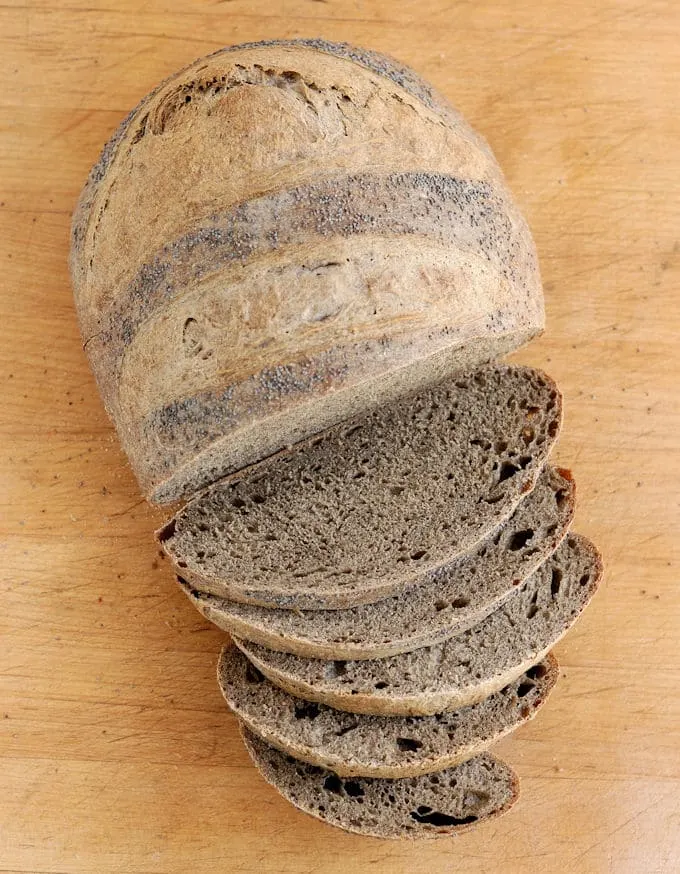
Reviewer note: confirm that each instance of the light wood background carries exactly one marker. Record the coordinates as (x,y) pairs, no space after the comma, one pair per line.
(117,754)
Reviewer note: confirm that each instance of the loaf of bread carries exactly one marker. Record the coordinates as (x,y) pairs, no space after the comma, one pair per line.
(295,267)
(281,236)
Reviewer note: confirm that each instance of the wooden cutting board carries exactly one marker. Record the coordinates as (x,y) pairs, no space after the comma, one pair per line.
(117,752)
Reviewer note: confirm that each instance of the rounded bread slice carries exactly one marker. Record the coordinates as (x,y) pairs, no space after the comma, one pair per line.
(448,601)
(370,507)
(462,670)
(428,806)
(353,745)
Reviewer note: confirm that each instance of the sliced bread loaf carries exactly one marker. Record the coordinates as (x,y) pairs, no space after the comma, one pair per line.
(369,507)
(378,746)
(415,807)
(462,670)
(448,601)
(309,230)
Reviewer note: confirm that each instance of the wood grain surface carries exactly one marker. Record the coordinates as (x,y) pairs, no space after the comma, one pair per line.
(118,754)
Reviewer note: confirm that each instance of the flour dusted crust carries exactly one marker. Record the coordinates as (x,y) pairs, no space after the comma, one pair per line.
(279,237)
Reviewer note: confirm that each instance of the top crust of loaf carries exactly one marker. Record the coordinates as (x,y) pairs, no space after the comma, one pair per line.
(367,245)
(371,506)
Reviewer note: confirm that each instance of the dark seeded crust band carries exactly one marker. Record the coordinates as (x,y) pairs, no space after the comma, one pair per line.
(468,215)
(382,65)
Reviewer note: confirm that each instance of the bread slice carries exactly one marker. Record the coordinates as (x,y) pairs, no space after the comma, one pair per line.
(447,602)
(415,807)
(369,508)
(464,669)
(353,745)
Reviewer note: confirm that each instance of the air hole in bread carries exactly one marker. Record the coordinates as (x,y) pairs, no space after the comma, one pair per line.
(353,788)
(167,531)
(253,675)
(440,605)
(532,412)
(418,554)
(459,603)
(381,684)
(238,503)
(436,818)
(520,539)
(536,672)
(494,499)
(341,732)
(306,710)
(528,434)
(258,499)
(333,784)
(181,563)
(532,611)
(553,428)
(555,581)
(501,446)
(396,490)
(336,669)
(585,579)
(508,470)
(408,744)
(524,689)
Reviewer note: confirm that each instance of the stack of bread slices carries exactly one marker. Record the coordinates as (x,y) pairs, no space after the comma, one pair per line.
(393,588)
(295,265)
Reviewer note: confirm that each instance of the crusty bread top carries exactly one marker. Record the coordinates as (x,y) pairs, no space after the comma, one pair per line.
(373,505)
(302,221)
(428,806)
